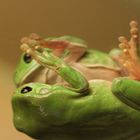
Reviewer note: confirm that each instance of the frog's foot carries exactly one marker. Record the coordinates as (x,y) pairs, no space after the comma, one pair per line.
(57,45)
(66,46)
(130,58)
(30,39)
(34,39)
(42,55)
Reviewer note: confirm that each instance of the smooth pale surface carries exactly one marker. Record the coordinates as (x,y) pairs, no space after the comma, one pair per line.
(98,22)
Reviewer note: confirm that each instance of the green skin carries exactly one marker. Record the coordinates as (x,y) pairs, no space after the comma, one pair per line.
(95,109)
(28,69)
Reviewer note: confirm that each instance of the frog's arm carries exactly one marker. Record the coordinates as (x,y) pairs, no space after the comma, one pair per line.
(128,91)
(47,59)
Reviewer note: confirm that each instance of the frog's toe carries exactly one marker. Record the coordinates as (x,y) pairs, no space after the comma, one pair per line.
(128,91)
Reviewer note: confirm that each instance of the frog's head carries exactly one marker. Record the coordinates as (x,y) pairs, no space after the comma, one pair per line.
(39,107)
(40,110)
(28,70)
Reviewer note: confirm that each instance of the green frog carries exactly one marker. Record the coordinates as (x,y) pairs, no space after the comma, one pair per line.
(80,108)
(91,63)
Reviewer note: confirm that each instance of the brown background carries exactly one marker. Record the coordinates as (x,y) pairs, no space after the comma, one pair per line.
(99,22)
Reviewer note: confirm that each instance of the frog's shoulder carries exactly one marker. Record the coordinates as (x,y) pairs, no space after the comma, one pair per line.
(94,58)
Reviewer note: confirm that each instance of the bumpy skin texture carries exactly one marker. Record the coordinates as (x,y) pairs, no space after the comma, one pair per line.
(101,109)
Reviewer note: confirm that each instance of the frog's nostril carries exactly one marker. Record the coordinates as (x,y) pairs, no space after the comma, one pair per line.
(26,90)
(27,58)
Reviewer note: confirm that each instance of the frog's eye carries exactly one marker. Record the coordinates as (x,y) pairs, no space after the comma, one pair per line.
(27,58)
(26,90)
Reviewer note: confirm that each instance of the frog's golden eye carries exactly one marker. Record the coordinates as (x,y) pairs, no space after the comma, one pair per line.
(27,58)
(26,90)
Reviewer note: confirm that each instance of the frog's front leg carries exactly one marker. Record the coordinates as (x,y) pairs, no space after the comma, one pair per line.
(47,59)
(128,89)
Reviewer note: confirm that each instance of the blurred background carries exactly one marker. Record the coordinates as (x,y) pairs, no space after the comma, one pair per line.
(96,21)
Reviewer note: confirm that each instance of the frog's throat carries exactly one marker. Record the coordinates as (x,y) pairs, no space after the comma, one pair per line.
(33,74)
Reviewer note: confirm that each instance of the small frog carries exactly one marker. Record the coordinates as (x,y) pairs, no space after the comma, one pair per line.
(84,108)
(72,50)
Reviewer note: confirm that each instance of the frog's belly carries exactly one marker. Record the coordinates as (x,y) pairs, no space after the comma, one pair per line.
(90,73)
(97,72)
